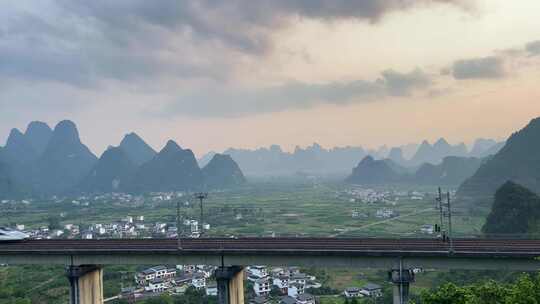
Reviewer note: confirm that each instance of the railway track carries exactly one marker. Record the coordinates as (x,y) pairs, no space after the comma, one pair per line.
(508,246)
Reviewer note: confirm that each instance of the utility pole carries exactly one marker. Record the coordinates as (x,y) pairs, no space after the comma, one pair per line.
(201,196)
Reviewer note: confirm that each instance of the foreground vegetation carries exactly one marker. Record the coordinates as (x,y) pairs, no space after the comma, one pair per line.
(526,289)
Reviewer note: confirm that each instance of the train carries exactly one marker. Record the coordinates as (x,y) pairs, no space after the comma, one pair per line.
(8,234)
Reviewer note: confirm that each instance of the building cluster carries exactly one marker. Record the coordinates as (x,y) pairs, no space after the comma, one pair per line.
(176,280)
(373,196)
(127,227)
(125,198)
(385,213)
(289,283)
(115,197)
(369,290)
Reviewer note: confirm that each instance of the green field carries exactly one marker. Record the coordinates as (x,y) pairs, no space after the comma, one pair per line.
(260,209)
(272,207)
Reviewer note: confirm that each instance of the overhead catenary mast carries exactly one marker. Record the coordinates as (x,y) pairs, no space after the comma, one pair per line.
(201,196)
(449,222)
(178,237)
(439,201)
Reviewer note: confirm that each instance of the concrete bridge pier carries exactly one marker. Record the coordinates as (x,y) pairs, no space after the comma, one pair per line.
(86,284)
(402,278)
(230,284)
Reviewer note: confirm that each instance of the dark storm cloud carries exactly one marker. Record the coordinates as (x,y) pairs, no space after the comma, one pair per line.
(533,48)
(296,95)
(242,24)
(60,46)
(479,68)
(82,42)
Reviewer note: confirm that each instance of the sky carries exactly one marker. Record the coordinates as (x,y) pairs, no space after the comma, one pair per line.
(214,74)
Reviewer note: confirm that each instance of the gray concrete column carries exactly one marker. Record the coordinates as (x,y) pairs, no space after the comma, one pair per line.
(230,283)
(85,284)
(402,278)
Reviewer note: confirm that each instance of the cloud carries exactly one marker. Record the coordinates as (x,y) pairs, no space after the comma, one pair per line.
(533,48)
(83,43)
(226,102)
(479,68)
(242,24)
(401,84)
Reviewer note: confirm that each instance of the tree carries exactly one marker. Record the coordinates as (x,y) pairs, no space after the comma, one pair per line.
(162,299)
(446,294)
(53,222)
(515,210)
(525,290)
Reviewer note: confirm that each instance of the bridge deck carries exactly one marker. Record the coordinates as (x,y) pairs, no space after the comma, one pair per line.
(245,251)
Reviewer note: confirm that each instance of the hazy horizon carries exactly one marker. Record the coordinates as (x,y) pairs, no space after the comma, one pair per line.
(217,75)
(289,149)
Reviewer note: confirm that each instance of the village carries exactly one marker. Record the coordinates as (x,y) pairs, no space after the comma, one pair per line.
(127,227)
(277,285)
(386,196)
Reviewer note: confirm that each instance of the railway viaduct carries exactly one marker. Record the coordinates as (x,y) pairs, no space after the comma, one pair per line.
(84,258)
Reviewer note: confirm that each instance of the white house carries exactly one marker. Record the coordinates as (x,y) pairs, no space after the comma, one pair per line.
(352,292)
(187,268)
(257,271)
(211,290)
(198,281)
(206,270)
(372,290)
(157,272)
(299,278)
(385,213)
(282,282)
(183,280)
(427,229)
(295,289)
(305,298)
(261,287)
(88,235)
(157,285)
(194,226)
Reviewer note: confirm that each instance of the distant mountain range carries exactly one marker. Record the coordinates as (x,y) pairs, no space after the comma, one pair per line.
(274,161)
(43,161)
(518,161)
(318,160)
(54,162)
(453,170)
